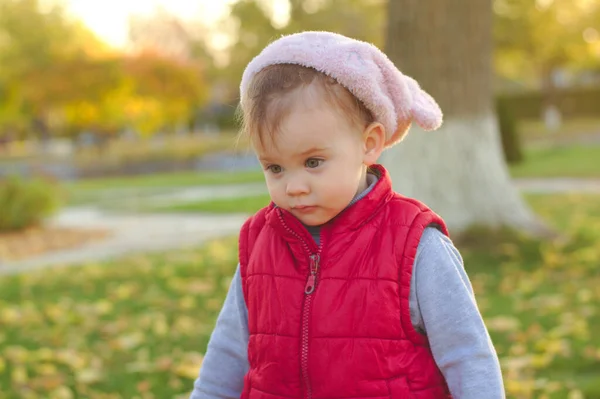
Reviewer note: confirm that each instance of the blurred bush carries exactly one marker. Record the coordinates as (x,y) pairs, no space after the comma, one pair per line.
(507,123)
(26,202)
(580,102)
(171,152)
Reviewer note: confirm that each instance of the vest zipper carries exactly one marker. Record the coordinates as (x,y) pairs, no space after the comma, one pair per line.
(309,289)
(311,282)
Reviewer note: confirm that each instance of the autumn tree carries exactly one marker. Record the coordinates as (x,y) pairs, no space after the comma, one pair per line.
(59,76)
(35,38)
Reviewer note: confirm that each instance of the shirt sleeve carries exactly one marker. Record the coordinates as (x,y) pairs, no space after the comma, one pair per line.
(443,307)
(226,361)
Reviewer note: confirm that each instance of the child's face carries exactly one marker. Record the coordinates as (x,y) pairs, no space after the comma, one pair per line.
(316,164)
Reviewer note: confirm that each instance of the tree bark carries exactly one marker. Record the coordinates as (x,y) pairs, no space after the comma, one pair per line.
(459,170)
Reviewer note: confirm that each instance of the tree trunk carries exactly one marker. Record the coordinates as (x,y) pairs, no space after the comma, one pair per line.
(459,170)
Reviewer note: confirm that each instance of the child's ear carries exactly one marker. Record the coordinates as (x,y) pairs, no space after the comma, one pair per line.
(374,141)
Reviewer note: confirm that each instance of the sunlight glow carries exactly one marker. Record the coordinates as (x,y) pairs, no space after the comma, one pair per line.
(109,18)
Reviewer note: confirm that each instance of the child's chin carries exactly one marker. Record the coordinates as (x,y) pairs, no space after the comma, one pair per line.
(310,223)
(313,221)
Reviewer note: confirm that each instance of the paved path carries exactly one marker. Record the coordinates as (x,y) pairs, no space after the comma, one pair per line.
(558,185)
(585,138)
(158,232)
(131,234)
(141,232)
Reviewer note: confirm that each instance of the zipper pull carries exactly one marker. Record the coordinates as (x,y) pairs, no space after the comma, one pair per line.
(311,283)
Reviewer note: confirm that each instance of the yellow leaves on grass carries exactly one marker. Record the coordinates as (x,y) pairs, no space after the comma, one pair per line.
(133,329)
(503,323)
(89,375)
(541,303)
(550,322)
(190,365)
(128,341)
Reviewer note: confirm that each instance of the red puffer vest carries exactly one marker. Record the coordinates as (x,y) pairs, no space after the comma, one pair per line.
(333,321)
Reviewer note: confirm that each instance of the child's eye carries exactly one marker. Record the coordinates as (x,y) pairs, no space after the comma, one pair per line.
(274,169)
(313,163)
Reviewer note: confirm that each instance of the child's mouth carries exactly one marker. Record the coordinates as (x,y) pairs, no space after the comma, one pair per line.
(304,208)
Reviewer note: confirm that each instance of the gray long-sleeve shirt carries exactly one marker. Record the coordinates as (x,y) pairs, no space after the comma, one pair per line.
(442,306)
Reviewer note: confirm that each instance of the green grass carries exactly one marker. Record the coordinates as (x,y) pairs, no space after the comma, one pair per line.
(249,204)
(541,300)
(571,161)
(137,327)
(168,180)
(133,328)
(94,190)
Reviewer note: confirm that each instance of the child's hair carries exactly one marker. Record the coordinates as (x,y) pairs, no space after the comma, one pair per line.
(267,101)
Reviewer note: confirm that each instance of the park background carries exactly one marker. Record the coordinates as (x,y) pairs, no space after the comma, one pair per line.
(122,186)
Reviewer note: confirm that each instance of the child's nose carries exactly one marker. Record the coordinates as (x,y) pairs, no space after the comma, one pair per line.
(296,187)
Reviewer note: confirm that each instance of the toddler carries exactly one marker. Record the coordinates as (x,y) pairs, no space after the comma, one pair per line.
(344,288)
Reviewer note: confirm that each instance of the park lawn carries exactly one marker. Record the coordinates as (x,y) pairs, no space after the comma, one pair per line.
(132,328)
(90,190)
(249,204)
(174,179)
(137,327)
(541,300)
(568,161)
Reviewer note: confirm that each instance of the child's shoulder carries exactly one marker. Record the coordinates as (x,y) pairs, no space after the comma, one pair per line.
(402,205)
(402,210)
(258,220)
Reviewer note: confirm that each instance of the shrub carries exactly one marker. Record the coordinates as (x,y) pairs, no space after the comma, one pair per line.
(26,202)
(576,102)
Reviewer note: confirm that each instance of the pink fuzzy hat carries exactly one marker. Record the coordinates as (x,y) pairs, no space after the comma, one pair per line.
(394,99)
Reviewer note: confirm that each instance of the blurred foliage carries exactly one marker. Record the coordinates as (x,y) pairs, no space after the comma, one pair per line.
(522,29)
(138,327)
(534,38)
(176,147)
(570,131)
(59,78)
(150,93)
(32,41)
(579,102)
(26,202)
(255,28)
(176,151)
(523,50)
